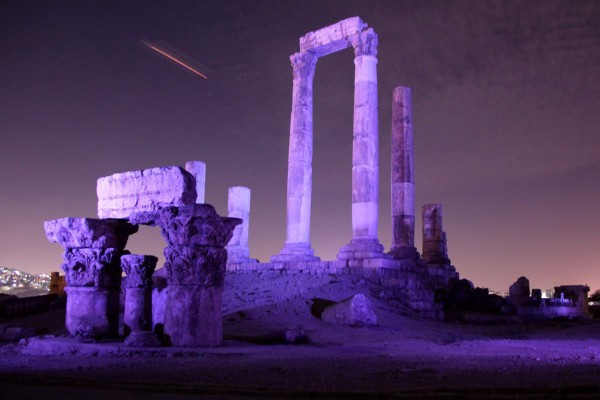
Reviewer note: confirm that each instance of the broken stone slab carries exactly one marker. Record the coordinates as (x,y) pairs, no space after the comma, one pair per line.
(354,311)
(89,233)
(122,194)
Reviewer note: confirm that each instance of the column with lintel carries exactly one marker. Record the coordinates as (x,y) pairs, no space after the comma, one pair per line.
(299,183)
(403,176)
(238,206)
(365,157)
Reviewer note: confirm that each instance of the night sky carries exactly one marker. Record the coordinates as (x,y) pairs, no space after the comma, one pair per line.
(506,109)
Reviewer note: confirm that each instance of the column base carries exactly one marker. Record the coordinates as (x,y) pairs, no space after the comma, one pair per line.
(295,252)
(238,255)
(361,249)
(404,253)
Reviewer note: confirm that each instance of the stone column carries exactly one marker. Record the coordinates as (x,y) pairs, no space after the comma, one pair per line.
(198,170)
(365,158)
(434,238)
(238,206)
(403,176)
(299,183)
(93,248)
(138,299)
(195,259)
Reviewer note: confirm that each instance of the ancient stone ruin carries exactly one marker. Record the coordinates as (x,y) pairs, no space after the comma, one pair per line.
(184,298)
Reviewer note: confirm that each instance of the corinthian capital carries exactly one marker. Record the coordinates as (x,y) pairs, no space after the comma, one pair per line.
(303,64)
(139,269)
(92,267)
(364,43)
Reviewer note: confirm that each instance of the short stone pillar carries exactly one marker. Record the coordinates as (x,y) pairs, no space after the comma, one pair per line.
(299,181)
(195,256)
(403,176)
(238,206)
(198,170)
(92,267)
(138,299)
(365,152)
(435,251)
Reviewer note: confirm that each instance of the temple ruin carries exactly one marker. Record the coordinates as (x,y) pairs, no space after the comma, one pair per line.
(202,246)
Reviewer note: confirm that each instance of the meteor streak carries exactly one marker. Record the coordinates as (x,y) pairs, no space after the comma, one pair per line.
(169,55)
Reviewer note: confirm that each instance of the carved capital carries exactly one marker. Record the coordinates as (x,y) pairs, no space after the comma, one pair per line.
(303,65)
(364,43)
(93,267)
(195,265)
(139,269)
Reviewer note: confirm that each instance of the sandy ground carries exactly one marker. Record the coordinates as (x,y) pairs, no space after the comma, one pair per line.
(403,357)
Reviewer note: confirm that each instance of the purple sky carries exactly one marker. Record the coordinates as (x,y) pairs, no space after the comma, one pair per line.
(506,107)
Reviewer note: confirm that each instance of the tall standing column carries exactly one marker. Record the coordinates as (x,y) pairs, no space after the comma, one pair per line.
(198,170)
(299,183)
(238,206)
(403,176)
(365,157)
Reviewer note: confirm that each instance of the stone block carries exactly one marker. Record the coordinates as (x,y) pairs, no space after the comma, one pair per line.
(122,194)
(354,311)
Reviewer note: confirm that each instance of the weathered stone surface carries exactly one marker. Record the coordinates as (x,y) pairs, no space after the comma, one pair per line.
(139,269)
(435,249)
(89,232)
(403,176)
(238,206)
(92,267)
(195,265)
(192,225)
(92,313)
(332,38)
(354,311)
(193,316)
(121,194)
(198,171)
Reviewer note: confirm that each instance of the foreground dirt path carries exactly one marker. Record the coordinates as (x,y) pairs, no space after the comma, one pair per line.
(402,357)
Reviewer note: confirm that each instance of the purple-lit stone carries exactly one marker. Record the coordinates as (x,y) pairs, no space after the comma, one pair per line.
(89,232)
(238,206)
(138,298)
(354,311)
(435,251)
(91,262)
(122,194)
(403,176)
(198,171)
(195,262)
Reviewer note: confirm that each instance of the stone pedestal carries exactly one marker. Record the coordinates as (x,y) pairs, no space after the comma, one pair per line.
(92,312)
(91,262)
(198,170)
(365,153)
(238,206)
(403,177)
(434,238)
(299,182)
(138,299)
(195,262)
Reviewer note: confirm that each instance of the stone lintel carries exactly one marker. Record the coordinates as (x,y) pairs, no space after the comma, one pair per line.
(331,38)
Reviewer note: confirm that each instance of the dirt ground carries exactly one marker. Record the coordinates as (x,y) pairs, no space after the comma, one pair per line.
(403,357)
